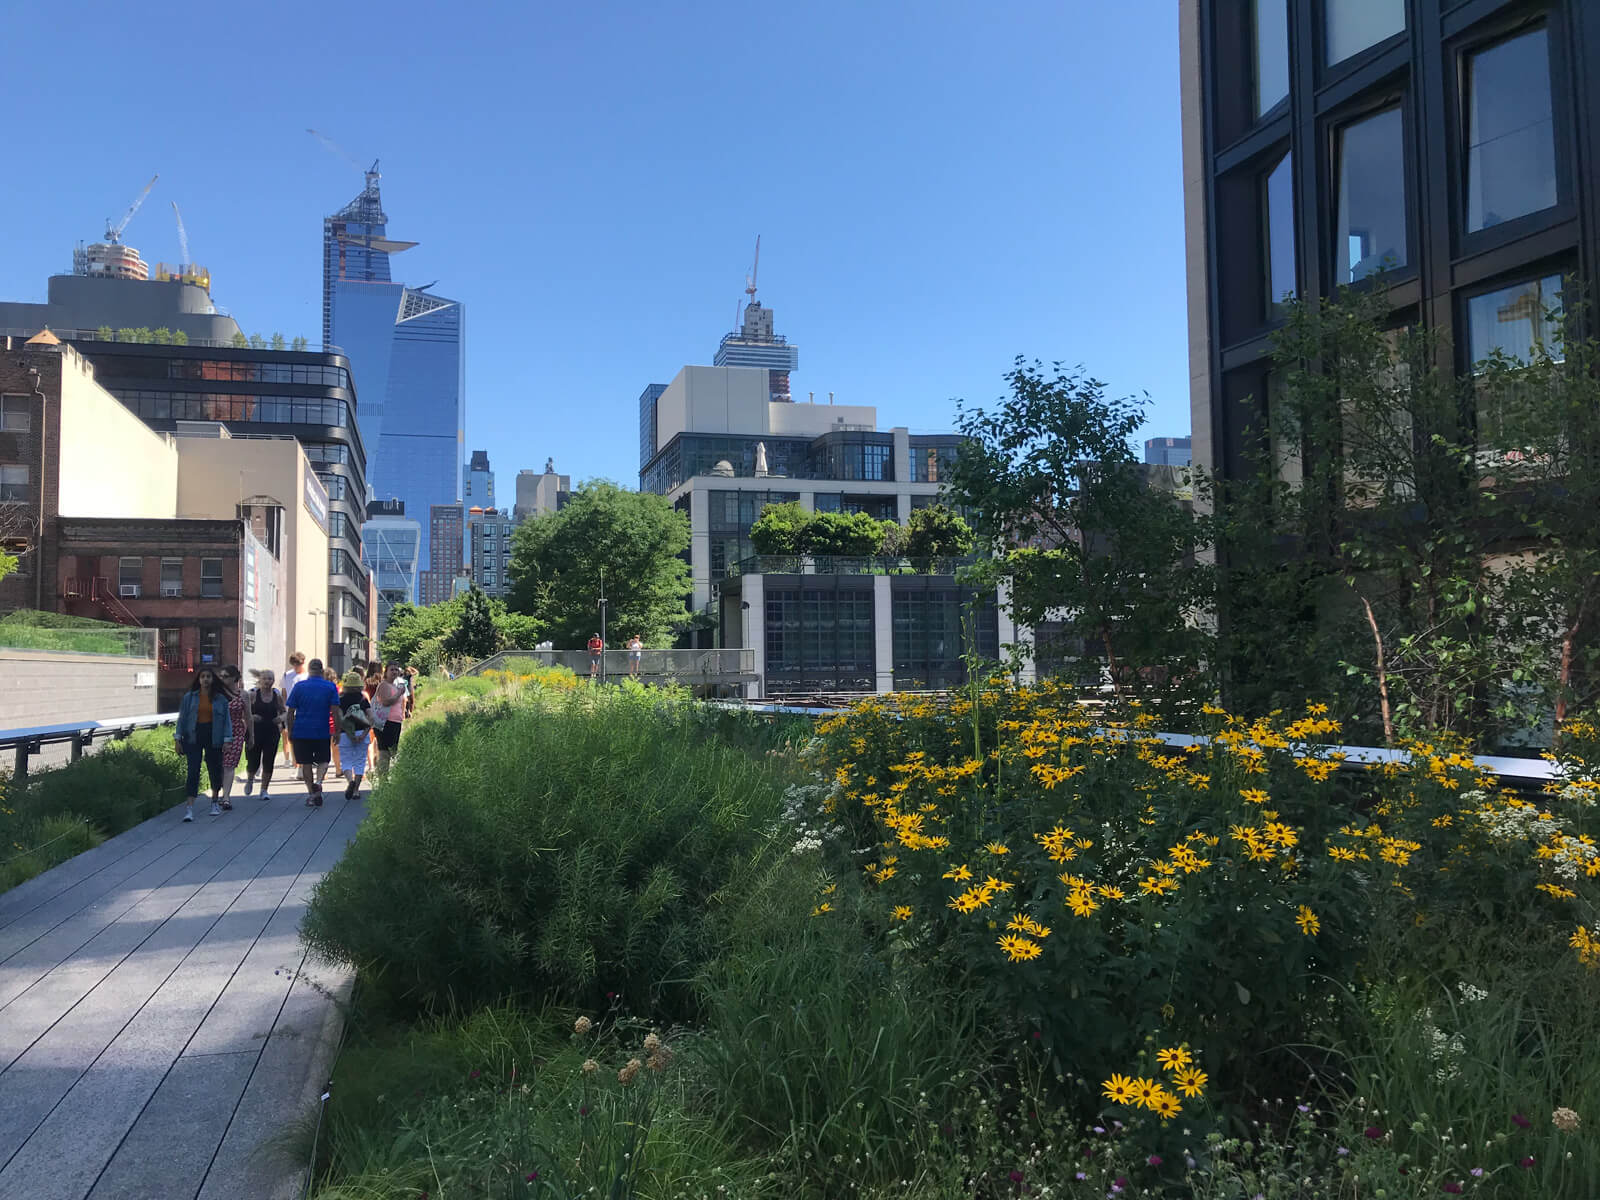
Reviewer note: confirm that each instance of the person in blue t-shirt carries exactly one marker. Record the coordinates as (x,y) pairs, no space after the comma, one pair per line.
(310,706)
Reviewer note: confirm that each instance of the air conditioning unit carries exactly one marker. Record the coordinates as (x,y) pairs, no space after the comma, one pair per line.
(172,589)
(130,589)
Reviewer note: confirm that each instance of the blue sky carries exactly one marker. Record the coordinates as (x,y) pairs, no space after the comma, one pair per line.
(939,187)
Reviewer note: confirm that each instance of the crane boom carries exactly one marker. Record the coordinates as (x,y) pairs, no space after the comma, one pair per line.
(183,240)
(339,150)
(114,232)
(750,279)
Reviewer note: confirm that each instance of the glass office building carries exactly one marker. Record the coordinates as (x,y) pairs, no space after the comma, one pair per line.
(406,349)
(390,543)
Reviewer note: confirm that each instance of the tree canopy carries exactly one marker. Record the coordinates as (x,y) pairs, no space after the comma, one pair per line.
(628,542)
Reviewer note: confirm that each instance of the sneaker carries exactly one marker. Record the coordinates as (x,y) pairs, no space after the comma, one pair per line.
(316,798)
(263,791)
(216,809)
(226,806)
(188,813)
(250,786)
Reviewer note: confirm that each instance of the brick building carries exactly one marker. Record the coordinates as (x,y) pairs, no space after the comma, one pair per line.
(209,587)
(447,537)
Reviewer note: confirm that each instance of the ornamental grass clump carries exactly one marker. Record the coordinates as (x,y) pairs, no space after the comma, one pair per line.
(562,846)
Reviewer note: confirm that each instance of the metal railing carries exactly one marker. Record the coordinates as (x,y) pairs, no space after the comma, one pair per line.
(95,335)
(682,666)
(845,564)
(28,742)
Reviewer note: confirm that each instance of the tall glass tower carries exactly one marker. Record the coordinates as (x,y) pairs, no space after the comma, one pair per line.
(406,348)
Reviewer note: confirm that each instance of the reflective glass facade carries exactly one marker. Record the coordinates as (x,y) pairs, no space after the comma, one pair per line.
(818,634)
(843,456)
(390,544)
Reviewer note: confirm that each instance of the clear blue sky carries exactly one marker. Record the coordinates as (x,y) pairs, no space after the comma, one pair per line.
(939,187)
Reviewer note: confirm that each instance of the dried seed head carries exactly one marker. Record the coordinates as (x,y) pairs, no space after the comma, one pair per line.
(652,1043)
(659,1059)
(1564,1119)
(582,1025)
(590,1066)
(630,1072)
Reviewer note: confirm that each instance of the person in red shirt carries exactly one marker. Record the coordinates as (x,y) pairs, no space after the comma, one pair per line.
(596,649)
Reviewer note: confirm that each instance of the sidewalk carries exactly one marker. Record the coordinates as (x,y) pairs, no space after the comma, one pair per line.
(160,1029)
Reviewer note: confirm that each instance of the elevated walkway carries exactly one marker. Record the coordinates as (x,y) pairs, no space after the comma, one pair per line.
(159,1027)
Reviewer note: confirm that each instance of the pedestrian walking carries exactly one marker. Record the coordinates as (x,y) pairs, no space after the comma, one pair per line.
(355,730)
(266,721)
(295,673)
(635,653)
(597,647)
(332,677)
(202,732)
(309,711)
(233,683)
(410,680)
(388,715)
(374,679)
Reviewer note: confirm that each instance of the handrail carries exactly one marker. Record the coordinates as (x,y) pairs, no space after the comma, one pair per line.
(1526,773)
(30,741)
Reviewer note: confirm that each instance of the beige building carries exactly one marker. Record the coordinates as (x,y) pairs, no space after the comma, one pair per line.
(111,462)
(270,483)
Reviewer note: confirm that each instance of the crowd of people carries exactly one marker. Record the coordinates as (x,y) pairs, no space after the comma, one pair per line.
(318,720)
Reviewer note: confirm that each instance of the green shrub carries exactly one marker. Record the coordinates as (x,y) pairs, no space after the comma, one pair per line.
(114,788)
(567,847)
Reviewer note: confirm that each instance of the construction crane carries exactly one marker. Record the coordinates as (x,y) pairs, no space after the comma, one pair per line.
(114,232)
(183,241)
(750,279)
(337,149)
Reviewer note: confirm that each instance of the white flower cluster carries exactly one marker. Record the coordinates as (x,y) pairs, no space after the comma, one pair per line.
(1572,856)
(1581,794)
(1519,824)
(1470,992)
(804,814)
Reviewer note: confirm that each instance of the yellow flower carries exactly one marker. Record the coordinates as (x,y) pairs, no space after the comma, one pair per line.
(824,907)
(902,912)
(1255,795)
(1560,893)
(1192,1081)
(1146,1090)
(1340,854)
(1119,1089)
(1174,1058)
(1081,904)
(1112,893)
(998,848)
(1164,1104)
(1018,949)
(1308,921)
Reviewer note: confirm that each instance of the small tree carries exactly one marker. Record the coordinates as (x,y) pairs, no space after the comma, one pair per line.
(781,529)
(180,338)
(240,342)
(475,635)
(127,334)
(936,532)
(104,333)
(844,534)
(299,343)
(1051,472)
(257,342)
(278,342)
(161,336)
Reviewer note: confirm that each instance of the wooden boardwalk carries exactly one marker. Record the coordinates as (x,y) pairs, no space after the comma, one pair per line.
(160,1027)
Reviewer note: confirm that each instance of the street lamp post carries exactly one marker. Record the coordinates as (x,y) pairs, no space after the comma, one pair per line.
(602,627)
(314,613)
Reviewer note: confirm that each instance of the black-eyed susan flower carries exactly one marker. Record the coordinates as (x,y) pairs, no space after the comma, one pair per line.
(1308,921)
(1119,1089)
(1191,1081)
(1174,1058)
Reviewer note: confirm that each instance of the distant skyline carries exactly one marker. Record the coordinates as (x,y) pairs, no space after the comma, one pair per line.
(936,190)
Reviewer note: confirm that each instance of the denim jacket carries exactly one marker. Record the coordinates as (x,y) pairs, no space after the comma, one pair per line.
(189,711)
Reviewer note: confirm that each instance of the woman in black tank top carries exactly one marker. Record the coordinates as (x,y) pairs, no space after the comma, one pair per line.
(266,715)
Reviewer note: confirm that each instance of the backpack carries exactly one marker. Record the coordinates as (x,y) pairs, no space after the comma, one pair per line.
(355,720)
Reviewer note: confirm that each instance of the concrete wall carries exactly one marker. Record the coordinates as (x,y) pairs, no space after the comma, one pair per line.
(216,474)
(80,302)
(112,463)
(45,687)
(1194,226)
(804,419)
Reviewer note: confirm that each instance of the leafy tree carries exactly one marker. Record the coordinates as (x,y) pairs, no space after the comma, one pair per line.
(474,635)
(936,532)
(240,341)
(299,343)
(781,529)
(629,542)
(180,338)
(161,336)
(8,564)
(412,629)
(257,342)
(846,534)
(1050,471)
(892,537)
(278,342)
(126,334)
(104,333)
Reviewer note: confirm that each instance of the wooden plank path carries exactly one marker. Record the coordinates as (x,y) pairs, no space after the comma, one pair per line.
(160,1027)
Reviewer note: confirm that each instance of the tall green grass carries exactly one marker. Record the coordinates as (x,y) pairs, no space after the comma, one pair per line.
(556,846)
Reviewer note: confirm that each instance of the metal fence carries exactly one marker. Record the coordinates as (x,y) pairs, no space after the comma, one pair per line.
(846,564)
(681,666)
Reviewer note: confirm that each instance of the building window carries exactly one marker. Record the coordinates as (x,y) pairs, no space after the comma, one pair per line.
(1271,53)
(171,649)
(210,644)
(130,576)
(1279,229)
(172,576)
(1372,196)
(1511,147)
(1350,26)
(15,414)
(14,483)
(1518,321)
(211,578)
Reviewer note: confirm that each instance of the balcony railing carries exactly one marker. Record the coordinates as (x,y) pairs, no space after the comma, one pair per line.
(841,564)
